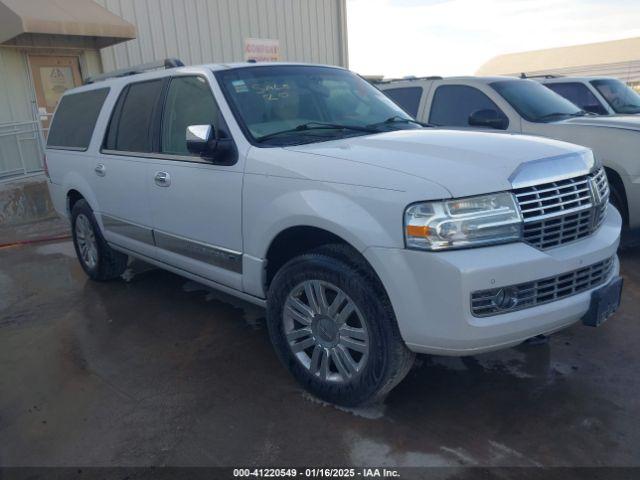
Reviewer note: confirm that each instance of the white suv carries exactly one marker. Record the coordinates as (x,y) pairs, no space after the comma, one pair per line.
(513,105)
(366,236)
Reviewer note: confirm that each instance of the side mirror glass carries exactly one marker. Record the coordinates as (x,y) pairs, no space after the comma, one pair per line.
(201,139)
(488,118)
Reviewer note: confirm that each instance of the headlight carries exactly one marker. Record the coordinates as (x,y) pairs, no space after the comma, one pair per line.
(464,222)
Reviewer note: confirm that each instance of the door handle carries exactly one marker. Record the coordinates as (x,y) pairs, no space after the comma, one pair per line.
(100,170)
(162,179)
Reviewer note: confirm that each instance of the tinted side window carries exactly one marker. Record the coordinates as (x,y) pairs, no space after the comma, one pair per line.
(408,98)
(580,95)
(75,119)
(452,105)
(132,122)
(189,102)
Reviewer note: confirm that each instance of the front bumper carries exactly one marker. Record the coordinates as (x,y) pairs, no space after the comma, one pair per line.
(431,291)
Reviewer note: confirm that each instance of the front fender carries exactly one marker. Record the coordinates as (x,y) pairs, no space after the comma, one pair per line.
(361,216)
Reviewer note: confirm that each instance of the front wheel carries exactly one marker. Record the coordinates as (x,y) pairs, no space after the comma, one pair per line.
(333,327)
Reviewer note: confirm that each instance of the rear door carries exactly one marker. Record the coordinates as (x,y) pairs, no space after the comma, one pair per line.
(195,203)
(121,171)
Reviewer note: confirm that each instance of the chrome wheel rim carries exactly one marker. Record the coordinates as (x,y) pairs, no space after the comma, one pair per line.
(86,240)
(326,331)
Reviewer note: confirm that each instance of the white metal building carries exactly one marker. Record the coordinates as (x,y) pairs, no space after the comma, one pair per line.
(47,46)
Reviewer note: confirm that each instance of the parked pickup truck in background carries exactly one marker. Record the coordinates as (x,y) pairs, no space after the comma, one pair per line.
(515,105)
(367,237)
(599,95)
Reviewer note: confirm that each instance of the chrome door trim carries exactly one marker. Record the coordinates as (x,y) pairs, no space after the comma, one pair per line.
(203,252)
(159,156)
(127,229)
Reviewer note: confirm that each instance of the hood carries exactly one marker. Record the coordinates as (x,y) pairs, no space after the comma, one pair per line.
(625,122)
(465,163)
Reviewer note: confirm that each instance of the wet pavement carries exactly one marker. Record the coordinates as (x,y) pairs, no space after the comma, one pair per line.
(157,370)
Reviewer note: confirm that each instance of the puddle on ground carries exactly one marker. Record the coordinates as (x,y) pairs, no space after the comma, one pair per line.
(366,451)
(253,315)
(370,412)
(63,248)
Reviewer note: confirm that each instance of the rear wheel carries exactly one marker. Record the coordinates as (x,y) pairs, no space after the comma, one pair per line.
(333,327)
(98,260)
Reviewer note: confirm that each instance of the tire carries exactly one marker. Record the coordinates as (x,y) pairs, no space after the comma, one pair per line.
(364,326)
(616,198)
(99,261)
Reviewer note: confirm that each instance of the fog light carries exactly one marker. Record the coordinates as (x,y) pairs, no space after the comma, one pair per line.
(505,298)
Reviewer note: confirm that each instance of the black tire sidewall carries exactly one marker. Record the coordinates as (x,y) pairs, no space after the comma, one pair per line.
(617,200)
(82,207)
(378,319)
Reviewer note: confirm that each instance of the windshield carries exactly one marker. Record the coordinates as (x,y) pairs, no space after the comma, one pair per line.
(293,104)
(621,97)
(534,101)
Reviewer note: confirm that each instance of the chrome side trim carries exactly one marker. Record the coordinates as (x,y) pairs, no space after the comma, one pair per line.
(553,169)
(127,229)
(203,252)
(158,156)
(217,256)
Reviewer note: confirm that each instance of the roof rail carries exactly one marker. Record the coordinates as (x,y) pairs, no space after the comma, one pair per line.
(409,78)
(145,67)
(547,75)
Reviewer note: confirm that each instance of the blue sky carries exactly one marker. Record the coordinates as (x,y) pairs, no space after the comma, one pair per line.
(454,37)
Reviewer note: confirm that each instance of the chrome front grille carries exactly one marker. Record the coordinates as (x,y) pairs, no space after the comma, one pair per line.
(525,295)
(560,212)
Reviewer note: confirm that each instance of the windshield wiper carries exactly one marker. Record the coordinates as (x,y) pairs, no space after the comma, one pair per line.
(399,119)
(579,113)
(316,126)
(630,108)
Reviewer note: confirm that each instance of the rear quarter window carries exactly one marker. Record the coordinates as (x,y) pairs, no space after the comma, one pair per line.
(75,119)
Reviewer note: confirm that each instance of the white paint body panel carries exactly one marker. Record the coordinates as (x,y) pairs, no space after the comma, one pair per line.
(356,188)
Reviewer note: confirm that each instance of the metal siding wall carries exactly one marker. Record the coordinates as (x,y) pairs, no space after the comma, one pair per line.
(210,31)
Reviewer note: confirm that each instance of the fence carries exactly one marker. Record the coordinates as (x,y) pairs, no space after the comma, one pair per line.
(21,148)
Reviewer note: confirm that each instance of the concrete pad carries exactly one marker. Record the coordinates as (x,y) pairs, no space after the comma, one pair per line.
(157,370)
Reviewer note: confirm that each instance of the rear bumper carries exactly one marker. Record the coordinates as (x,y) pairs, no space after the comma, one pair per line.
(431,292)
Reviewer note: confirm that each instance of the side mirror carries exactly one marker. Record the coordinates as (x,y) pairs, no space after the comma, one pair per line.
(203,140)
(488,118)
